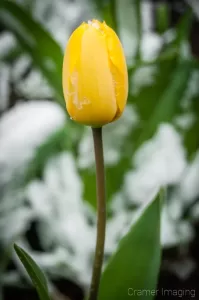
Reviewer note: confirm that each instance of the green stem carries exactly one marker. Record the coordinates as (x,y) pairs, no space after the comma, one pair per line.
(101,213)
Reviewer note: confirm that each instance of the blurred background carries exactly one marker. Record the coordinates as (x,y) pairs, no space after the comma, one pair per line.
(47,175)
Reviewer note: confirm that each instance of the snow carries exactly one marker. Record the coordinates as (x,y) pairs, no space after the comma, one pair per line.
(169,35)
(7,43)
(174,231)
(18,26)
(22,129)
(4,86)
(114,135)
(142,77)
(117,227)
(151,46)
(15,224)
(34,86)
(159,162)
(185,121)
(128,28)
(57,201)
(147,16)
(192,90)
(185,50)
(20,66)
(63,17)
(150,42)
(189,186)
(195,6)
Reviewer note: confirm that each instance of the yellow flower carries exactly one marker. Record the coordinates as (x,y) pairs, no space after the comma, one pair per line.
(95,78)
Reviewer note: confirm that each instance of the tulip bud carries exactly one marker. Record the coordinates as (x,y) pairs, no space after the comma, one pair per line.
(95,78)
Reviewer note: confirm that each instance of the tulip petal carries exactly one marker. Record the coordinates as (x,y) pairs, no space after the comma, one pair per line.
(118,68)
(70,59)
(91,90)
(95,80)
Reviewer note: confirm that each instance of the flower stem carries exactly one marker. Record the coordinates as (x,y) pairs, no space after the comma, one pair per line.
(101,213)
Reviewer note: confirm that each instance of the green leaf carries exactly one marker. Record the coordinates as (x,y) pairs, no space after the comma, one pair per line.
(137,6)
(191,137)
(11,55)
(56,143)
(162,17)
(108,12)
(169,102)
(65,139)
(183,28)
(37,42)
(136,263)
(35,273)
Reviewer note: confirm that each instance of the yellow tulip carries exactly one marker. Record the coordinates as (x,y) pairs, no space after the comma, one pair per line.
(95,78)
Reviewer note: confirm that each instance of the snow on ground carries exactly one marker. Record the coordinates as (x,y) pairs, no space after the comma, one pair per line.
(22,129)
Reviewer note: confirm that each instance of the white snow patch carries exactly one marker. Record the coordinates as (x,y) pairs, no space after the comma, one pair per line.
(169,35)
(191,91)
(34,86)
(63,17)
(18,25)
(22,129)
(189,187)
(57,201)
(185,121)
(185,50)
(7,43)
(143,77)
(4,86)
(20,66)
(118,203)
(195,6)
(174,231)
(159,162)
(150,41)
(14,224)
(150,46)
(147,19)
(94,24)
